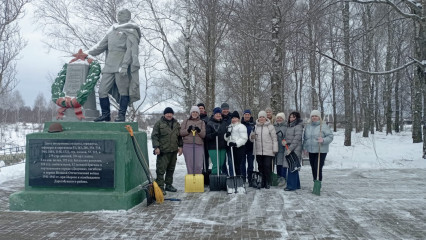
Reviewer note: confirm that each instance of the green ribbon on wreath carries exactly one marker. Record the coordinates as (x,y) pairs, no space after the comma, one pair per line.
(65,102)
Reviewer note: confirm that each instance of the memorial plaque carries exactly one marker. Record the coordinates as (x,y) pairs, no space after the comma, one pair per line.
(76,76)
(71,163)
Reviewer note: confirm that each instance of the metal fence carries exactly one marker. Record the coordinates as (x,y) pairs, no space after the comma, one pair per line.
(12,155)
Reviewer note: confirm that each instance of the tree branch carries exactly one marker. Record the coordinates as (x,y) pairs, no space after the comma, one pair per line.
(368,72)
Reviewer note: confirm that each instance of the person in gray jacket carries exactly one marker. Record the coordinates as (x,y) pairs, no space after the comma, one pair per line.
(294,134)
(316,142)
(121,70)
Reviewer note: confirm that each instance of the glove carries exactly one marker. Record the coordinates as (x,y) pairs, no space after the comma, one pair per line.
(189,129)
(232,144)
(197,129)
(253,136)
(227,134)
(287,152)
(284,142)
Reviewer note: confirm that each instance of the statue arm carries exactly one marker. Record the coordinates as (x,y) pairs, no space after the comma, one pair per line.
(99,48)
(127,60)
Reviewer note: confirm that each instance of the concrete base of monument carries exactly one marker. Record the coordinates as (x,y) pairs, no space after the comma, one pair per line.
(74,201)
(86,167)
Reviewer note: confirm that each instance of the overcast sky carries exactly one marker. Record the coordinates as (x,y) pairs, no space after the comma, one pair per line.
(35,63)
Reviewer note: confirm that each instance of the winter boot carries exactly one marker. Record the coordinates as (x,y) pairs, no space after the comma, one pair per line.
(170,188)
(124,102)
(106,116)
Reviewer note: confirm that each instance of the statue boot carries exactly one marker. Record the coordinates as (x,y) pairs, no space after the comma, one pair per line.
(106,114)
(124,102)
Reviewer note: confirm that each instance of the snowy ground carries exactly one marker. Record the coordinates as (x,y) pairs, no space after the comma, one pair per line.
(357,202)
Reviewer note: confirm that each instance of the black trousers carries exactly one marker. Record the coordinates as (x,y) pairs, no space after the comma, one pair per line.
(265,167)
(313,159)
(238,156)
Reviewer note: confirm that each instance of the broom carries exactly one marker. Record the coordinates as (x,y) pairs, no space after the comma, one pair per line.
(317,182)
(159,196)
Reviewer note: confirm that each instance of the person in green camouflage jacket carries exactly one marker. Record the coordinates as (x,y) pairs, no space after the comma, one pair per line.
(167,144)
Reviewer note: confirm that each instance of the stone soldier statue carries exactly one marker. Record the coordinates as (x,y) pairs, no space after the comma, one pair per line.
(121,70)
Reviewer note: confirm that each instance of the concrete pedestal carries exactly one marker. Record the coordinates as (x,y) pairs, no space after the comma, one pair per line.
(128,175)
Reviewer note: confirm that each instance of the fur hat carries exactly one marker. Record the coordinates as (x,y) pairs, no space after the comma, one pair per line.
(224,106)
(217,110)
(168,110)
(194,109)
(261,114)
(235,114)
(316,113)
(281,114)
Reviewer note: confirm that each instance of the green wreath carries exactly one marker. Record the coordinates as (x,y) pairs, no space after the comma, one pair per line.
(85,89)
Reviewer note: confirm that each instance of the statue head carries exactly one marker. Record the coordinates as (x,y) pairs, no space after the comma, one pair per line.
(123,16)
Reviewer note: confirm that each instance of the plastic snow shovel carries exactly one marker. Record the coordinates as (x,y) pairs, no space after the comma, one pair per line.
(317,182)
(238,180)
(152,191)
(217,182)
(194,182)
(293,161)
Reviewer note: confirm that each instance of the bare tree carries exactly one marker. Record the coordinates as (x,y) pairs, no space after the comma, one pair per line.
(11,42)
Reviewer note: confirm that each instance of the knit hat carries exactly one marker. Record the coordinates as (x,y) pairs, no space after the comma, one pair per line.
(316,113)
(261,114)
(168,110)
(194,109)
(201,104)
(224,106)
(235,114)
(268,109)
(247,111)
(217,110)
(281,114)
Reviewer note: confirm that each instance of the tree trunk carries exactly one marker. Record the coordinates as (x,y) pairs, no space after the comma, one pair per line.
(276,100)
(368,42)
(187,76)
(346,80)
(388,80)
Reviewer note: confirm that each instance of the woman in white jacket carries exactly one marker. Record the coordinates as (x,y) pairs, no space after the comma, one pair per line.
(266,146)
(236,137)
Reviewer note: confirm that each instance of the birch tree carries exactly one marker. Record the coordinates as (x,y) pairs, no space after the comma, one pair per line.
(11,42)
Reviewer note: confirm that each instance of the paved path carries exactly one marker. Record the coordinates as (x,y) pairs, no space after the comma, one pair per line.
(354,204)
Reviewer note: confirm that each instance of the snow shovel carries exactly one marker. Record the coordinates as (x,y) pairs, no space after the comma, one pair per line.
(317,182)
(238,180)
(206,172)
(256,176)
(293,161)
(217,182)
(274,176)
(194,182)
(152,191)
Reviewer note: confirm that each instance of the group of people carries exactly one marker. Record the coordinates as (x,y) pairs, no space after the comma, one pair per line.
(267,141)
(226,140)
